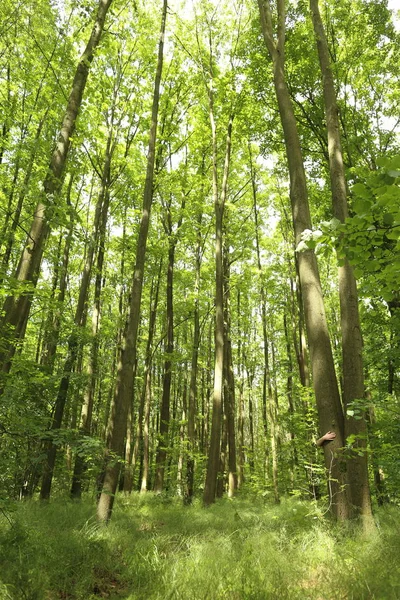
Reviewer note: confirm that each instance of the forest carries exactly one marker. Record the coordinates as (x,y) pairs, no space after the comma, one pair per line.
(200,299)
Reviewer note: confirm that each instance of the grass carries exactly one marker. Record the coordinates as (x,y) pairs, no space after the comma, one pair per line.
(156,549)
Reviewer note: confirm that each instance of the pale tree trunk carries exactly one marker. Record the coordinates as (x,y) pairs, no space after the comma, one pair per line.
(229,387)
(302,354)
(161,454)
(250,379)
(125,375)
(330,412)
(16,308)
(208,393)
(274,412)
(289,392)
(179,479)
(193,373)
(353,375)
(146,432)
(219,201)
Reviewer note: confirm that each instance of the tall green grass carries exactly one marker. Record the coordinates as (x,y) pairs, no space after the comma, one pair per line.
(156,549)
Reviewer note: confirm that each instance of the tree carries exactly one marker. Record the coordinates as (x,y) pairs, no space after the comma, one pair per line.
(353,375)
(16,308)
(125,376)
(324,378)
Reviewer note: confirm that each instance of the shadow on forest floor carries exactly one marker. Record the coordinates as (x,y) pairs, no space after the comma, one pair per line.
(156,549)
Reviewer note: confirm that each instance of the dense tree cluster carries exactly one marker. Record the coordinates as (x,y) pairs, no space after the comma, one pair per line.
(200,256)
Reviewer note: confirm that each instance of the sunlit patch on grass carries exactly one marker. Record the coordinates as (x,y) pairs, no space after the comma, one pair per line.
(156,549)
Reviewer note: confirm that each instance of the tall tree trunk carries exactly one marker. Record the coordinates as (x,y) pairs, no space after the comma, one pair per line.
(161,454)
(330,412)
(16,308)
(219,201)
(269,412)
(143,423)
(353,375)
(302,355)
(250,379)
(125,376)
(229,388)
(241,454)
(92,367)
(73,342)
(193,373)
(289,392)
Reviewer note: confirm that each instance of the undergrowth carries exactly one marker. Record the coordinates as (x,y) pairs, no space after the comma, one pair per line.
(156,549)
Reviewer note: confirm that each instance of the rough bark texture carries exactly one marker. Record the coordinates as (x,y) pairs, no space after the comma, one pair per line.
(125,375)
(353,375)
(330,413)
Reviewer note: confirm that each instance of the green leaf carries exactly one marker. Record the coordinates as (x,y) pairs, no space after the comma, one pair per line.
(359,189)
(362,206)
(388,219)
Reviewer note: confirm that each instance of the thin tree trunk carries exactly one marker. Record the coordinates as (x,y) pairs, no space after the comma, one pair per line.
(241,455)
(250,379)
(161,454)
(53,325)
(73,342)
(125,376)
(143,425)
(21,196)
(289,392)
(92,367)
(229,388)
(193,373)
(219,201)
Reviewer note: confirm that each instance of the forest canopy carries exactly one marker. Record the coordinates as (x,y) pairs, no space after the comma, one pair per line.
(200,255)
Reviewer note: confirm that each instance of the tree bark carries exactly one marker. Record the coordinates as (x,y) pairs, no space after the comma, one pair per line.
(161,454)
(330,412)
(219,201)
(125,375)
(88,400)
(73,342)
(353,375)
(193,373)
(229,388)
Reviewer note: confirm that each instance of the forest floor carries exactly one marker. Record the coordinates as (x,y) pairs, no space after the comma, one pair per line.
(154,548)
